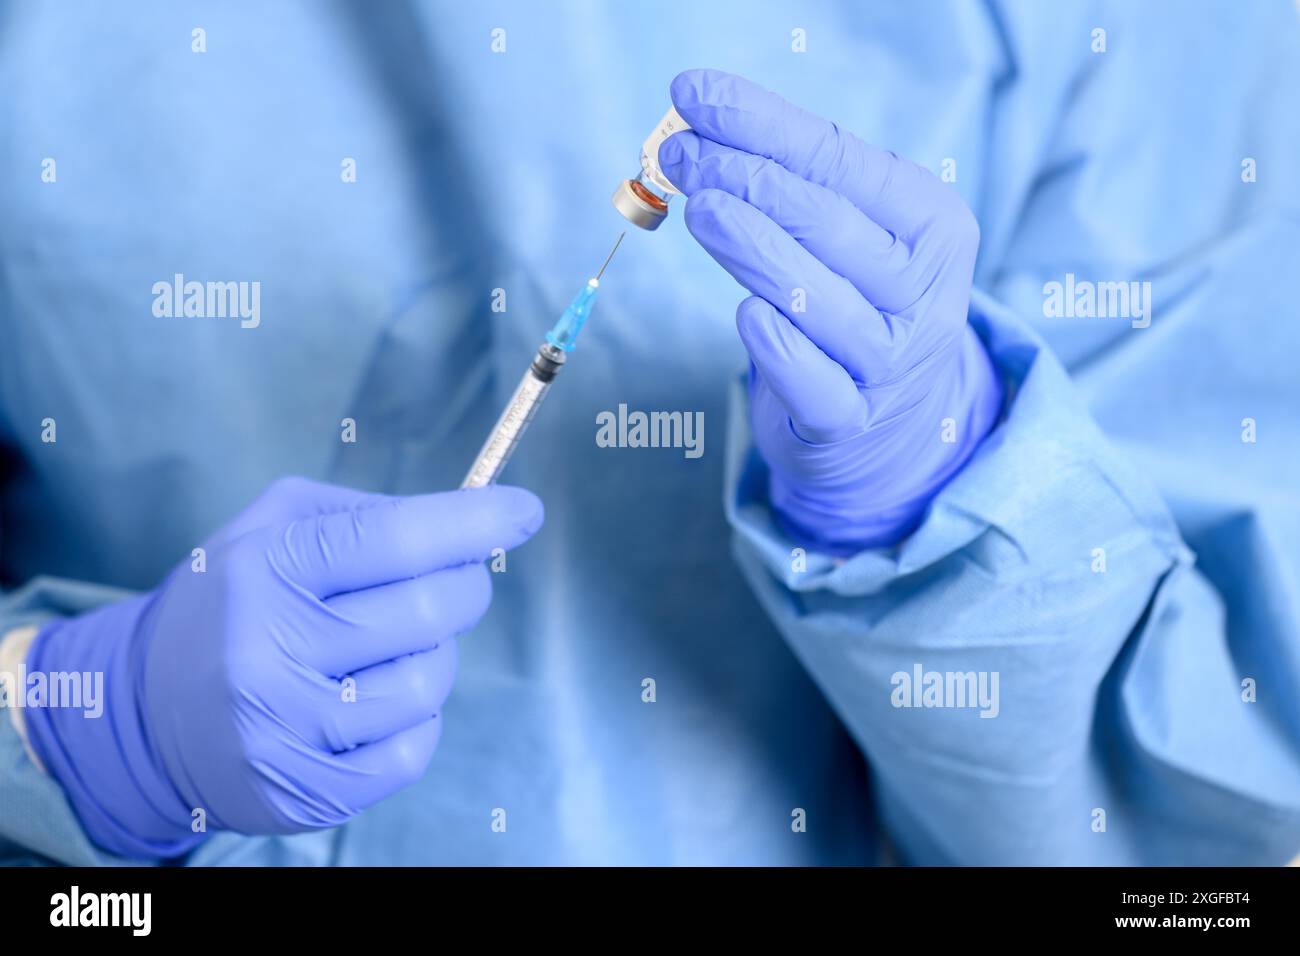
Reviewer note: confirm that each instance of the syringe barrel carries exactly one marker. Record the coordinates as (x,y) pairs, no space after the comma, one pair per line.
(515,417)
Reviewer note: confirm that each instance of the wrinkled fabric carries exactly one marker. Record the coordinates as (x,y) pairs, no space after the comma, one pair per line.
(1120,691)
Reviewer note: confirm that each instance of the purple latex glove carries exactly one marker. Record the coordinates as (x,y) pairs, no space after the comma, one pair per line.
(294,682)
(868,389)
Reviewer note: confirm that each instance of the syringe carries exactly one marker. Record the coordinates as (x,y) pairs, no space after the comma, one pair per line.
(532,388)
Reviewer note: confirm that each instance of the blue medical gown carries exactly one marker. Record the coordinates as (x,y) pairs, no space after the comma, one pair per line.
(1121,690)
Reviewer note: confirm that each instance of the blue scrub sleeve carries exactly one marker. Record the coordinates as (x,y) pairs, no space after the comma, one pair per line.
(1039,674)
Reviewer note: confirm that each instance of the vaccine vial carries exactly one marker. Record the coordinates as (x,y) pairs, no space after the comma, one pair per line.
(643,201)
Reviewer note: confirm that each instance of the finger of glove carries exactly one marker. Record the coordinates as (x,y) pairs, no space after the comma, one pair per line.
(729,109)
(368,627)
(382,768)
(817,394)
(288,499)
(379,701)
(312,788)
(400,538)
(825,223)
(772,265)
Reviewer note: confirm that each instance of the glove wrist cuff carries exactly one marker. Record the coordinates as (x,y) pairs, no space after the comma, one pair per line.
(868,508)
(97,746)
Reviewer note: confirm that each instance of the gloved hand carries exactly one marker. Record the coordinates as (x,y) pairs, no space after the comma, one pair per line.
(228,691)
(860,265)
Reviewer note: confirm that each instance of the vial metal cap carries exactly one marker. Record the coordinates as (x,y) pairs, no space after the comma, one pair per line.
(639,206)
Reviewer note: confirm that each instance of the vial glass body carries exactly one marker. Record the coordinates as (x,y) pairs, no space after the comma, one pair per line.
(643,201)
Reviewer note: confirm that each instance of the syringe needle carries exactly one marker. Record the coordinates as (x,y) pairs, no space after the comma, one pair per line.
(523,404)
(610,256)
